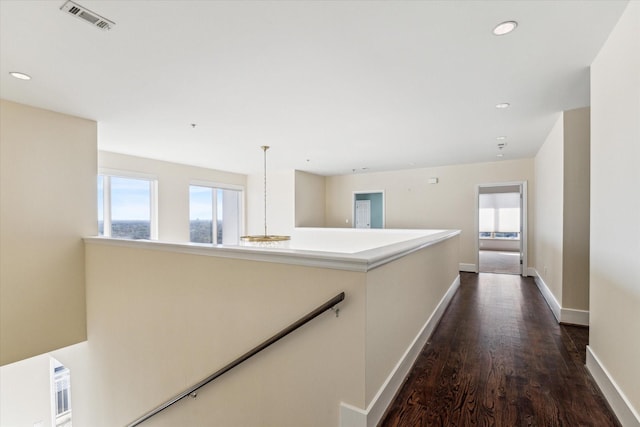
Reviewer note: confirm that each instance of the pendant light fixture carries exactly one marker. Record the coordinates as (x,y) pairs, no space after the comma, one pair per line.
(266,239)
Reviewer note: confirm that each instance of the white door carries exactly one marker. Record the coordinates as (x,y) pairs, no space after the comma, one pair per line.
(363,213)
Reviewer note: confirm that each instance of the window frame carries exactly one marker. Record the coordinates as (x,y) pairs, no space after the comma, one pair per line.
(106,198)
(218,186)
(60,376)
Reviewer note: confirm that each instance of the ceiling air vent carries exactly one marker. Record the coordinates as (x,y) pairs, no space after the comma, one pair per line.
(86,15)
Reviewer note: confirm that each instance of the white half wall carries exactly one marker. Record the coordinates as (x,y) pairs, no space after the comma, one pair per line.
(411,202)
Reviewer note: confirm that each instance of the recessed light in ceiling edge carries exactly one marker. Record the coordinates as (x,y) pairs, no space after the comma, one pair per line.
(505,28)
(19,75)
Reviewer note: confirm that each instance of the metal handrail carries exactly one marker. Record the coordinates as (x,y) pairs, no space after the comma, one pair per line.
(191,390)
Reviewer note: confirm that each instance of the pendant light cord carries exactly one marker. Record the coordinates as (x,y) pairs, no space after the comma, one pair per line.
(265,148)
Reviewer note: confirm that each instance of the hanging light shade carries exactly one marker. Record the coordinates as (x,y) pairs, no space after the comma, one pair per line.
(266,239)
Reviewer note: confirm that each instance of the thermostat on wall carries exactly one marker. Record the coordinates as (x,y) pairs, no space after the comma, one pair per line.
(433,180)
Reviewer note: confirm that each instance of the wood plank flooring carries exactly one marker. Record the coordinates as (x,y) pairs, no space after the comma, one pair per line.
(499,358)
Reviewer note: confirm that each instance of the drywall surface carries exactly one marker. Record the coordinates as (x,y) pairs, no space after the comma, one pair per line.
(411,202)
(280,212)
(173,187)
(48,203)
(401,296)
(309,199)
(548,209)
(162,321)
(576,188)
(615,205)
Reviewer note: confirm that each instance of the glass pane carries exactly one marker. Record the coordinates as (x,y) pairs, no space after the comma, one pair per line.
(130,208)
(201,214)
(100,205)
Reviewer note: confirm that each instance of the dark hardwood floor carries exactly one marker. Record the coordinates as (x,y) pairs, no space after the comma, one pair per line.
(499,358)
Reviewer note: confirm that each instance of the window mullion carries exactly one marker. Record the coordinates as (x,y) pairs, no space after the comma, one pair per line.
(214,216)
(106,205)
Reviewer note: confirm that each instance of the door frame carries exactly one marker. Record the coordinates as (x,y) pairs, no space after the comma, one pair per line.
(353,206)
(524,229)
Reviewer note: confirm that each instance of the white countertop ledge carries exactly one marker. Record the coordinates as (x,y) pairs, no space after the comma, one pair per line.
(334,248)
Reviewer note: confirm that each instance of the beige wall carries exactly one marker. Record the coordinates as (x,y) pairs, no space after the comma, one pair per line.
(410,202)
(280,203)
(173,188)
(615,205)
(575,242)
(161,321)
(401,297)
(48,199)
(548,209)
(562,210)
(309,199)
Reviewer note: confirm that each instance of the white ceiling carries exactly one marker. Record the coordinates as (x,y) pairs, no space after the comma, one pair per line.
(331,86)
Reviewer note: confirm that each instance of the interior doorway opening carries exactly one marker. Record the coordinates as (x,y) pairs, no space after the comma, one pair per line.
(501,231)
(368,209)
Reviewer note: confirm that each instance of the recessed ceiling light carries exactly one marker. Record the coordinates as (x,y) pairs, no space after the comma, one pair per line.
(505,28)
(501,138)
(503,105)
(500,155)
(19,75)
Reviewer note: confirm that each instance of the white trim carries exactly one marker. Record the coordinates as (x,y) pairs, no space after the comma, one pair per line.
(552,302)
(358,261)
(121,173)
(532,272)
(213,184)
(572,316)
(351,416)
(622,408)
(524,234)
(470,268)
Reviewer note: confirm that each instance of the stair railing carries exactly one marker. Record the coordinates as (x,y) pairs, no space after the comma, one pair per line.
(191,391)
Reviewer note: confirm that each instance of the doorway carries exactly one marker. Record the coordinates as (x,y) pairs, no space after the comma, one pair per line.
(501,228)
(368,209)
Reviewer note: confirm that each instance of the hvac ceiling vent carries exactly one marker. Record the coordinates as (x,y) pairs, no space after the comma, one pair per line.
(86,15)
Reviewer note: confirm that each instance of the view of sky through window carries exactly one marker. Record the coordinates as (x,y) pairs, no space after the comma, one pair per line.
(201,203)
(130,199)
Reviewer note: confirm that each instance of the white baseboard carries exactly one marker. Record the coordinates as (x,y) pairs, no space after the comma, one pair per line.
(572,316)
(532,272)
(351,416)
(469,268)
(619,403)
(552,302)
(569,316)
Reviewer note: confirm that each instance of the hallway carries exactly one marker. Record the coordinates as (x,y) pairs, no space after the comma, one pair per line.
(499,358)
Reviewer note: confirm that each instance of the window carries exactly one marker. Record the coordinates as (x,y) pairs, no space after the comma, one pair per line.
(214,214)
(499,216)
(126,207)
(61,394)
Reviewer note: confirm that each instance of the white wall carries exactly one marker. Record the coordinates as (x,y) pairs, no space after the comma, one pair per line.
(48,203)
(411,202)
(173,188)
(548,210)
(615,207)
(280,203)
(25,393)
